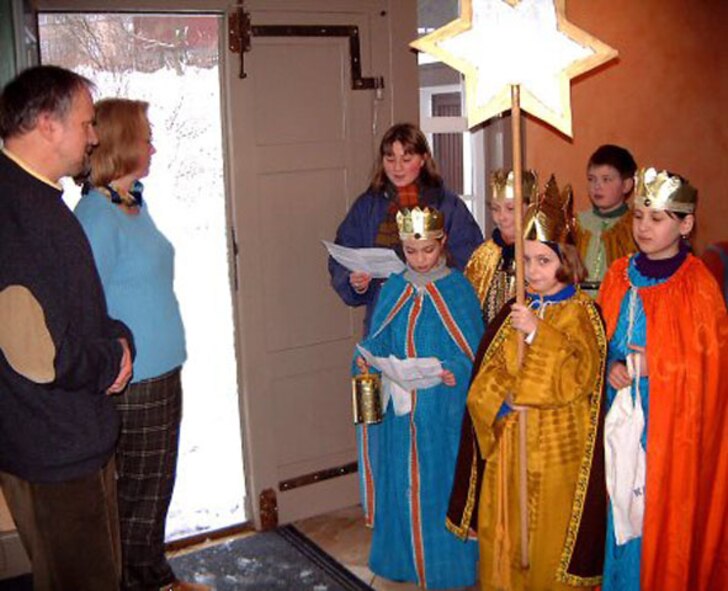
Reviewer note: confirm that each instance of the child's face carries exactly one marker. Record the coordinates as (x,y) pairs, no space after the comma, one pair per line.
(504,217)
(607,188)
(542,263)
(402,167)
(423,255)
(657,233)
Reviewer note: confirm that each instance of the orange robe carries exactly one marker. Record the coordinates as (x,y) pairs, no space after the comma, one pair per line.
(685,532)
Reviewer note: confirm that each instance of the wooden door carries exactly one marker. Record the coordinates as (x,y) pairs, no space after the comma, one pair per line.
(304,140)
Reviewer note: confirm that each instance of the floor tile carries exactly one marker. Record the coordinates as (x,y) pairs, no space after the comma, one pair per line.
(344,536)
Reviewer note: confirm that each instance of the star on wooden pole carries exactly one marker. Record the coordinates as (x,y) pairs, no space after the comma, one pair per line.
(513,54)
(497,44)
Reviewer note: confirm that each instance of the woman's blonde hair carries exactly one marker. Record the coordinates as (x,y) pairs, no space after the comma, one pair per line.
(413,142)
(120,124)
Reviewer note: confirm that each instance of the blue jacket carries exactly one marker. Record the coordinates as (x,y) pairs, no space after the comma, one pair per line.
(360,226)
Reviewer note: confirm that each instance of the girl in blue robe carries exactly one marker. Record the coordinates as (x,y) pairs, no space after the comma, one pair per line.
(407,461)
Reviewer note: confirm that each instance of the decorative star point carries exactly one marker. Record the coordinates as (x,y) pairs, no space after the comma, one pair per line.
(500,43)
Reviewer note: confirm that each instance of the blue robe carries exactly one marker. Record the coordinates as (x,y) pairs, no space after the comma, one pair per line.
(407,462)
(622,563)
(359,230)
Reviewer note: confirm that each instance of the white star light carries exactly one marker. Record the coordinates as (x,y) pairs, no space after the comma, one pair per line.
(500,43)
(517,45)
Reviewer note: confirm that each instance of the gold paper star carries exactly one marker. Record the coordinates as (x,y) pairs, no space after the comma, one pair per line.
(500,43)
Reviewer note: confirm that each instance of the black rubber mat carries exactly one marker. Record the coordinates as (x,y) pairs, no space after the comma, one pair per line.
(283,559)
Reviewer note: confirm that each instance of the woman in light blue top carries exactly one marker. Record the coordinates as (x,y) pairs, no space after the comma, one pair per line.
(136,265)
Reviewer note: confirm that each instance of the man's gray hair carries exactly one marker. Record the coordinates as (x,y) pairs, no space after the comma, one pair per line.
(40,89)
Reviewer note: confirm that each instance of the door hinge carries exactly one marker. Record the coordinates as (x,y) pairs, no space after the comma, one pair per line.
(316,477)
(239,32)
(268,507)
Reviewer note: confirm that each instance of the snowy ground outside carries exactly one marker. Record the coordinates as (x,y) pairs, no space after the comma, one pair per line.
(185,195)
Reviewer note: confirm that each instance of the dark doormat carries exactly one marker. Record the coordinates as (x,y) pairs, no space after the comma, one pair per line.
(21,583)
(283,559)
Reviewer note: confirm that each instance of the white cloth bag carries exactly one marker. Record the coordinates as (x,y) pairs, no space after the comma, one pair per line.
(625,458)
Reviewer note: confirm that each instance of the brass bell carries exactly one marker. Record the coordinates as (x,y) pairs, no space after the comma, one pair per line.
(366,398)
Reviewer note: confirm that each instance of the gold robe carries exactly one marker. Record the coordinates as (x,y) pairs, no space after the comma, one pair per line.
(559,384)
(493,285)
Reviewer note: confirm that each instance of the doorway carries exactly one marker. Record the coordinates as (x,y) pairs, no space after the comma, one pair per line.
(302,120)
(172,61)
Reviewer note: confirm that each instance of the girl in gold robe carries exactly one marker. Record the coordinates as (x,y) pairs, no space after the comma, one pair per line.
(556,394)
(491,268)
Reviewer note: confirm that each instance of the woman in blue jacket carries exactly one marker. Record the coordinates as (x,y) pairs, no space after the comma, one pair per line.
(405,177)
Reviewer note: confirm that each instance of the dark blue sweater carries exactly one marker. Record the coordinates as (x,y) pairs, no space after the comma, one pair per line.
(63,427)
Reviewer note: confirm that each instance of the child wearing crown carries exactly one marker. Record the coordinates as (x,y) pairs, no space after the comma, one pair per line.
(555,394)
(406,462)
(668,480)
(491,268)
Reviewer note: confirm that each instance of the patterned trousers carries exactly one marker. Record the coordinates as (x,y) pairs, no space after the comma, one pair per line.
(146,461)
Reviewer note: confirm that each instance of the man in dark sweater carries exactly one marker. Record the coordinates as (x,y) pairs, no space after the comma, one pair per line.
(61,356)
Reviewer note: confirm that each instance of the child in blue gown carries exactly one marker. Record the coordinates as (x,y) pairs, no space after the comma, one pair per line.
(407,461)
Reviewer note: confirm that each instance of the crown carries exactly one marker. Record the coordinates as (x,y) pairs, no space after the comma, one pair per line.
(660,189)
(502,182)
(551,217)
(420,224)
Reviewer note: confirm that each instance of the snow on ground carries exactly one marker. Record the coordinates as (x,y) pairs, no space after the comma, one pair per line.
(185,195)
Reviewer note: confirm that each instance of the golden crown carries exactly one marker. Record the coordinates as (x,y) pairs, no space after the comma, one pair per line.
(420,224)
(502,183)
(660,189)
(551,217)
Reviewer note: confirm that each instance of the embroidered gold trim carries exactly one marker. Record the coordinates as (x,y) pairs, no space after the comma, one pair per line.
(582,483)
(462,530)
(481,267)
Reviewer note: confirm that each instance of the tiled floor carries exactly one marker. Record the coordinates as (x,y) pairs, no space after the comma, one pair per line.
(345,537)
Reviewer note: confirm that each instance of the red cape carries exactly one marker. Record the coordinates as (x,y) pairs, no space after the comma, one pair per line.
(685,535)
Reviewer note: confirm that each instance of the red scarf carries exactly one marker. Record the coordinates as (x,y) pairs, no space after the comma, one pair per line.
(388,233)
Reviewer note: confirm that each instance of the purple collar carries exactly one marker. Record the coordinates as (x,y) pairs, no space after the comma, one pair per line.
(662,268)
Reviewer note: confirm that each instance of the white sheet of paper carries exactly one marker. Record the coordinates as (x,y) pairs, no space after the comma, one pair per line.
(412,373)
(378,262)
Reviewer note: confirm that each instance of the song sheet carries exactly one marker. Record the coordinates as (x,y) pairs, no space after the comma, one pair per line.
(378,262)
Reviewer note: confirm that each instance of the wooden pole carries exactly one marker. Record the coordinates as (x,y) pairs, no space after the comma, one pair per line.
(520,299)
(518,195)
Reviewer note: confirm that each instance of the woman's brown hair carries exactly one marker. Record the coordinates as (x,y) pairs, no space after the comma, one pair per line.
(413,142)
(572,269)
(120,125)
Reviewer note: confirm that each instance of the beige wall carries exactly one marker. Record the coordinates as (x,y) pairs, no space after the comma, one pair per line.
(664,99)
